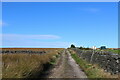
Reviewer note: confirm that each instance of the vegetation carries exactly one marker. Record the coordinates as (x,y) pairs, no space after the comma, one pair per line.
(103,47)
(72,46)
(83,48)
(117,51)
(92,71)
(27,65)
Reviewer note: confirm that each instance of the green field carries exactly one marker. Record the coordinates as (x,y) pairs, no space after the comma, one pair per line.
(115,51)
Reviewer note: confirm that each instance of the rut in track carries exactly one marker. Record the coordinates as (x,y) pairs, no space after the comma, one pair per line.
(67,68)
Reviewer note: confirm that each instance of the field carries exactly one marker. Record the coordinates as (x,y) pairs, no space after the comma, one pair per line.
(39,62)
(115,51)
(24,65)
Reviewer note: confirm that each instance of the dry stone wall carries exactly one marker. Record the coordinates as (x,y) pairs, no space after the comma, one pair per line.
(21,51)
(109,61)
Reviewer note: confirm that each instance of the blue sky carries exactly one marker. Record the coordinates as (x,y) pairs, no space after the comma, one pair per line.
(59,24)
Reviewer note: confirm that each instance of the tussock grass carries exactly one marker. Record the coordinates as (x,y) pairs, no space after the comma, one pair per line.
(92,71)
(23,65)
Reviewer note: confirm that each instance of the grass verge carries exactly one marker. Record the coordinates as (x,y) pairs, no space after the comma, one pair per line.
(92,71)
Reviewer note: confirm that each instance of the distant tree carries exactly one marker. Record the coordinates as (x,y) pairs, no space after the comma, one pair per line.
(103,47)
(81,47)
(87,48)
(72,46)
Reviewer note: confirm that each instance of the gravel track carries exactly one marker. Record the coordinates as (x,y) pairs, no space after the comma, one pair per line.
(66,67)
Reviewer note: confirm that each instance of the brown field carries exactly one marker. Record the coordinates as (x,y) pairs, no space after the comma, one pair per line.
(26,65)
(34,49)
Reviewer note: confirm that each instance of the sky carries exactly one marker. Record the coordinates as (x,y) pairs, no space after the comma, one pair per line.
(59,24)
(60,0)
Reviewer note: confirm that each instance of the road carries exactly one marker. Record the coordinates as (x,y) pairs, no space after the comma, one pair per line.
(66,67)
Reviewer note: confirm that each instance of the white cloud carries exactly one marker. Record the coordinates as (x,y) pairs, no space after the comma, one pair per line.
(45,41)
(38,44)
(2,23)
(27,37)
(93,10)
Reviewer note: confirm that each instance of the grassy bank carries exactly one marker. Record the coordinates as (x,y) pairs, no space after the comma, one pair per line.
(92,71)
(26,65)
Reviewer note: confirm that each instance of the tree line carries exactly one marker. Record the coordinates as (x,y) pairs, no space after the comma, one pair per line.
(73,46)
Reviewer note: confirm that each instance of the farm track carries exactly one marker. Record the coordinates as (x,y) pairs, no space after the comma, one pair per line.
(66,67)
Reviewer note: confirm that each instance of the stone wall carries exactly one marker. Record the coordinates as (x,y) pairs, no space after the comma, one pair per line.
(21,51)
(109,61)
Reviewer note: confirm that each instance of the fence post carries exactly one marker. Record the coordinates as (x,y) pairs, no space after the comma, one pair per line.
(92,54)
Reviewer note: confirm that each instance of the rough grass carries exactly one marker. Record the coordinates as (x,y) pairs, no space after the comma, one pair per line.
(23,65)
(33,49)
(115,51)
(92,71)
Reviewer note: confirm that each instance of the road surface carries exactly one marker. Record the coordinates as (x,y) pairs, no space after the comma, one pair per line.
(67,68)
